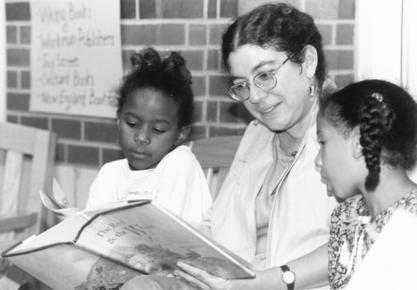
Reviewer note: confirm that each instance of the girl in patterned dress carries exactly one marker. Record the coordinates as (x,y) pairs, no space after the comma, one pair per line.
(368,137)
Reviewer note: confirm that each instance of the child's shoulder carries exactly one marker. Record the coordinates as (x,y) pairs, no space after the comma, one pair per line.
(180,159)
(114,165)
(409,202)
(350,208)
(182,152)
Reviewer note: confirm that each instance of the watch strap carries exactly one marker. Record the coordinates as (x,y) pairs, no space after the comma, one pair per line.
(284,269)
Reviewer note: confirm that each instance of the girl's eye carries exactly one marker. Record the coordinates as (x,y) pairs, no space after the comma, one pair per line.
(159,130)
(130,123)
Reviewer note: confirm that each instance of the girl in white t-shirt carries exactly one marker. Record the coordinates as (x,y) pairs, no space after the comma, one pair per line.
(154,114)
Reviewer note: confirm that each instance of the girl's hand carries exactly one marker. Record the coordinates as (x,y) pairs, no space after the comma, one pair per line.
(201,278)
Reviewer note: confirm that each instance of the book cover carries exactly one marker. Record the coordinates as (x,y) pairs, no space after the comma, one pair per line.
(106,247)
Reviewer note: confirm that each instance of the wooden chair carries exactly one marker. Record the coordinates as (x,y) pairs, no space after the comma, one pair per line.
(215,155)
(26,166)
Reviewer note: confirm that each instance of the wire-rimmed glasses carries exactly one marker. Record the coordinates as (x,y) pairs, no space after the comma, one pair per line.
(264,80)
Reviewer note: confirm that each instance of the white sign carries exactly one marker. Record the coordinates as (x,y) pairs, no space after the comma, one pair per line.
(76,63)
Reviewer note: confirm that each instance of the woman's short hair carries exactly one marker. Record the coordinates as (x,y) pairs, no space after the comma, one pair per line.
(280,26)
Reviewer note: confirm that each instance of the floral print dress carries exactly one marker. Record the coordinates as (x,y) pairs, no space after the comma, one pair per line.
(352,233)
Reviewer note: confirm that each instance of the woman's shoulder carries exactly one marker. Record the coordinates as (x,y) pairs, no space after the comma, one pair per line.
(255,140)
(255,128)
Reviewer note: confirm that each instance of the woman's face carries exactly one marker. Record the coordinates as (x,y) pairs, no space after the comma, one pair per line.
(287,104)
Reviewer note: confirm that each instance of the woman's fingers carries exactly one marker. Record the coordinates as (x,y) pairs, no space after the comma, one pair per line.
(190,279)
(141,283)
(193,270)
(201,278)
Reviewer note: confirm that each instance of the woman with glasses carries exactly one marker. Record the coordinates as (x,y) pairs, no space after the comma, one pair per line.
(273,209)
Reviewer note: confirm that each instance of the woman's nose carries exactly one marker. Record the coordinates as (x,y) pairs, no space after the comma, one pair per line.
(256,94)
(142,136)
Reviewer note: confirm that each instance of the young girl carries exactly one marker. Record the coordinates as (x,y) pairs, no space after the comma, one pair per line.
(368,138)
(153,119)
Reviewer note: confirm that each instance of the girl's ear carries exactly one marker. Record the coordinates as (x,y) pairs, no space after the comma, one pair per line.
(356,144)
(182,135)
(310,60)
(118,121)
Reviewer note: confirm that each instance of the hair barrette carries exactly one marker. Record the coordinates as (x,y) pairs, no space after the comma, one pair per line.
(378,97)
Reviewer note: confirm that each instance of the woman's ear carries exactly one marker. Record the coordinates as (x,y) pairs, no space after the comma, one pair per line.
(310,60)
(182,135)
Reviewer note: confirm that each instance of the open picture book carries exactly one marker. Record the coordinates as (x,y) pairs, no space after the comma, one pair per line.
(103,248)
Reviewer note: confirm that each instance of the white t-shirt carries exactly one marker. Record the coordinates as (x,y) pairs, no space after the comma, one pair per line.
(177,183)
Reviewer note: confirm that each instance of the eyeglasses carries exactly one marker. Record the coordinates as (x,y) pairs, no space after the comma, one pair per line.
(265,80)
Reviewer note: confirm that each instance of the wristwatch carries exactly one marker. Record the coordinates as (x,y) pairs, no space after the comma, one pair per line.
(288,276)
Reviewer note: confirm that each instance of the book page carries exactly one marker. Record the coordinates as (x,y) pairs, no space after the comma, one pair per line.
(103,248)
(66,231)
(68,267)
(63,232)
(150,239)
(54,257)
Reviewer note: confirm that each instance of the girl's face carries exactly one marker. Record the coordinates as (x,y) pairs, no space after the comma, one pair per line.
(148,128)
(339,160)
(288,103)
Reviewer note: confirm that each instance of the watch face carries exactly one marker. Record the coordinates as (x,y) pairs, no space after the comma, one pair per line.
(288,277)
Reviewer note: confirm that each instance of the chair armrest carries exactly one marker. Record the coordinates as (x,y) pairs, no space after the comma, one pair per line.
(17,222)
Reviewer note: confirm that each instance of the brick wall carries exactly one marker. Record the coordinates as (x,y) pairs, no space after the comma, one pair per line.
(193,27)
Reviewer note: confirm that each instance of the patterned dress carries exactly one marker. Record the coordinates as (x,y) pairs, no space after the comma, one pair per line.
(352,233)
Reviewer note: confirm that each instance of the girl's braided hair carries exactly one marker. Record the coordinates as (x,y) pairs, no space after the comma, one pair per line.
(387,119)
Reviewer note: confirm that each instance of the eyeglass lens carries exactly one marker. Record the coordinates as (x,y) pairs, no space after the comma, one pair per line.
(266,80)
(240,91)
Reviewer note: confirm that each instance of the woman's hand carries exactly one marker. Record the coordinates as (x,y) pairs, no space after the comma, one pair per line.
(154,282)
(201,278)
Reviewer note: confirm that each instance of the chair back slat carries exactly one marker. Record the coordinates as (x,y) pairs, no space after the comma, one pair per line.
(26,166)
(18,222)
(215,155)
(11,187)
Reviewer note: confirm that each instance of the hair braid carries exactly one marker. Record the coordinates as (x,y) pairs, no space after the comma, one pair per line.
(375,121)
